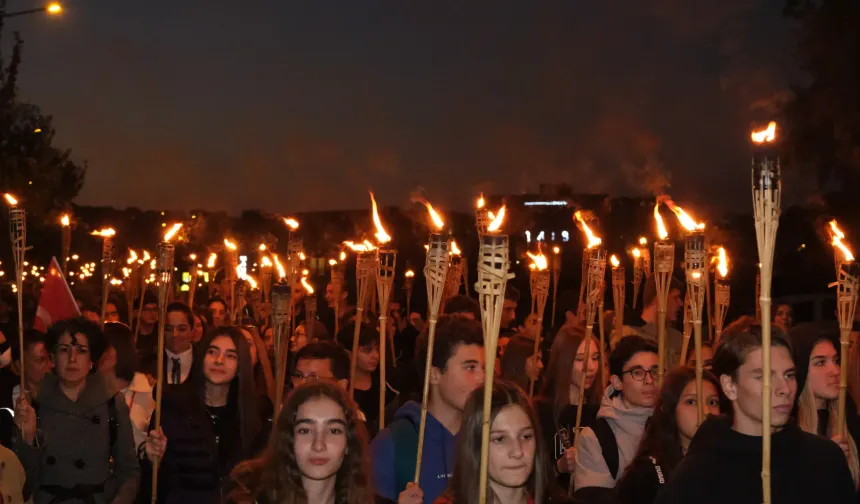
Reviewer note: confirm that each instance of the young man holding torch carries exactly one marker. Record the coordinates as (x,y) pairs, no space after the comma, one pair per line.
(723,463)
(647,328)
(458,369)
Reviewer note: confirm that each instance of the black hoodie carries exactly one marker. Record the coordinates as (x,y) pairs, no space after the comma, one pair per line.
(723,465)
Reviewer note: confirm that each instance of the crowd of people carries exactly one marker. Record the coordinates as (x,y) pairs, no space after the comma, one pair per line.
(84,427)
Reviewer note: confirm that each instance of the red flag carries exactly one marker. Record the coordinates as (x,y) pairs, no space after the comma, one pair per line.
(56,302)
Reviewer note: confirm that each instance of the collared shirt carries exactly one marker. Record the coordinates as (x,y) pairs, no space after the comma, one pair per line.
(185,360)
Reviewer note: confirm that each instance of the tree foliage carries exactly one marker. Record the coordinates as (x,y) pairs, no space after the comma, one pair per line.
(824,116)
(31,167)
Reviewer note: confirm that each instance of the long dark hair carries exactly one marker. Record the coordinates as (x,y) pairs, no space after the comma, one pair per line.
(463,486)
(661,439)
(243,396)
(275,476)
(556,385)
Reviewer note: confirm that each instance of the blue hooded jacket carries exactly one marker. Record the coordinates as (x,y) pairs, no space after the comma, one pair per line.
(391,460)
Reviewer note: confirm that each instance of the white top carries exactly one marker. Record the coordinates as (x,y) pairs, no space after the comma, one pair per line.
(185,360)
(141,404)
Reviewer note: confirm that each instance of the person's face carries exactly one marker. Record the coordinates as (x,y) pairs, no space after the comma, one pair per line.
(111,313)
(252,346)
(503,344)
(534,366)
(745,394)
(687,412)
(269,338)
(368,358)
(37,363)
(149,314)
(463,373)
(178,332)
(579,364)
(221,361)
(299,339)
(512,448)
(784,317)
(320,438)
(315,369)
(73,359)
(219,314)
(638,380)
(329,295)
(197,332)
(394,311)
(509,313)
(416,320)
(91,316)
(674,304)
(707,358)
(824,371)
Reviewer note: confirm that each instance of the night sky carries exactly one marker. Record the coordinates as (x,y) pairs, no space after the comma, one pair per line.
(290,106)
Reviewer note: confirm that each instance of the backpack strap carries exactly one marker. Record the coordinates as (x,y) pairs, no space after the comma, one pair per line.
(405,437)
(113,423)
(608,444)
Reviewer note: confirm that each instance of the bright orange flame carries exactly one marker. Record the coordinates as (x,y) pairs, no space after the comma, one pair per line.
(266,262)
(65,220)
(497,220)
(723,264)
(132,257)
(643,240)
(230,245)
(455,250)
(381,235)
(307,286)
(292,223)
(556,250)
(437,221)
(342,256)
(172,232)
(766,135)
(251,281)
(480,203)
(212,258)
(302,256)
(539,261)
(593,241)
(636,253)
(104,233)
(10,199)
(332,262)
(305,272)
(686,221)
(146,255)
(409,274)
(262,247)
(282,273)
(54,8)
(661,228)
(193,257)
(838,236)
(360,247)
(614,261)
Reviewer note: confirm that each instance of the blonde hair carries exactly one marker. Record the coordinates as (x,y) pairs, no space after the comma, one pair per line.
(807,419)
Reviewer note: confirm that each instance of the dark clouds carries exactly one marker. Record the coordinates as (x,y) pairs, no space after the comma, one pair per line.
(303,105)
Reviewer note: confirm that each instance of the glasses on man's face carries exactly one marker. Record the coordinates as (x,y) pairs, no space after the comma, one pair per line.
(299,377)
(639,373)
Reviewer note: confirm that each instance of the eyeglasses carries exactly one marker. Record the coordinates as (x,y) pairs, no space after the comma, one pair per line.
(299,377)
(639,373)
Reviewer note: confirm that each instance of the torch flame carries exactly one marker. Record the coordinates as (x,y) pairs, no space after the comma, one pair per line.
(614,261)
(342,256)
(193,257)
(359,247)
(686,221)
(643,241)
(282,273)
(766,135)
(437,221)
(262,247)
(455,250)
(497,221)
(302,256)
(251,281)
(332,262)
(539,261)
(307,286)
(172,232)
(212,258)
(132,257)
(723,264)
(10,199)
(661,229)
(409,274)
(146,256)
(291,223)
(65,220)
(838,236)
(104,233)
(381,235)
(480,203)
(593,241)
(266,262)
(636,253)
(230,245)
(556,250)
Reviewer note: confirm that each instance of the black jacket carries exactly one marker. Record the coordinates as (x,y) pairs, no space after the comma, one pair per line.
(723,465)
(642,481)
(567,421)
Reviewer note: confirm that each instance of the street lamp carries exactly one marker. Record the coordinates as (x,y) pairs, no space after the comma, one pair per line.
(52,8)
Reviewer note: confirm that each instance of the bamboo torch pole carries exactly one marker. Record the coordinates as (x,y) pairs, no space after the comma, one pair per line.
(365,263)
(688,329)
(108,251)
(294,258)
(145,266)
(164,269)
(664,263)
(281,301)
(847,286)
(618,287)
(435,273)
(722,296)
(638,273)
(408,284)
(539,278)
(767,198)
(310,309)
(337,277)
(66,229)
(493,276)
(18,236)
(386,260)
(696,265)
(231,258)
(556,273)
